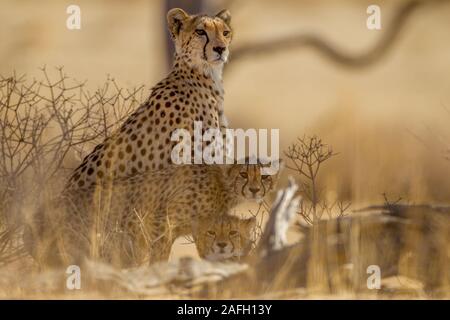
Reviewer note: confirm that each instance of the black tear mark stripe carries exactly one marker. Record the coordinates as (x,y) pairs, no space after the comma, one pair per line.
(263,187)
(204,47)
(246,182)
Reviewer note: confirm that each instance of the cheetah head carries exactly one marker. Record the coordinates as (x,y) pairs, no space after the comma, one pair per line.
(201,40)
(225,237)
(250,181)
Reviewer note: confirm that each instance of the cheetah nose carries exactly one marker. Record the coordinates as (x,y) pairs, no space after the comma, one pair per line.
(222,244)
(254,190)
(219,50)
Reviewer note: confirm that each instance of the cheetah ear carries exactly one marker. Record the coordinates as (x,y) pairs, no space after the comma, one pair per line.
(175,19)
(229,166)
(225,15)
(276,166)
(230,171)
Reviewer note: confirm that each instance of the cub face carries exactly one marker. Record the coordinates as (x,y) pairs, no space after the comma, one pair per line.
(224,238)
(201,38)
(251,181)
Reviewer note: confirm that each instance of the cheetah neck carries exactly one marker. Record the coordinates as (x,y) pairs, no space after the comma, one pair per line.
(213,72)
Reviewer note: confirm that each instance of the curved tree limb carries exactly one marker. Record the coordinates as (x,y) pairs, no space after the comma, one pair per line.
(327,49)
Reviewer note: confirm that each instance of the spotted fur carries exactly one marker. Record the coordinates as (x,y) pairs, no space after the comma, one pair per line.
(193,91)
(137,218)
(224,237)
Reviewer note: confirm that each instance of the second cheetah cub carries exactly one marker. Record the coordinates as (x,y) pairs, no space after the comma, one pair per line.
(224,237)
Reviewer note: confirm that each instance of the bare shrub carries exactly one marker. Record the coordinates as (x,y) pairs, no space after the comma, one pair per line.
(47,126)
(306,157)
(11,248)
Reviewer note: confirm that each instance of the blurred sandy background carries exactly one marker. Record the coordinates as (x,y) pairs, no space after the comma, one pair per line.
(388,123)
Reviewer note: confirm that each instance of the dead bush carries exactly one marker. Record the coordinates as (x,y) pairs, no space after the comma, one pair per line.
(306,156)
(47,126)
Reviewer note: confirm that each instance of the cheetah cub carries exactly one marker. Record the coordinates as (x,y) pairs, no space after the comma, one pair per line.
(141,216)
(224,237)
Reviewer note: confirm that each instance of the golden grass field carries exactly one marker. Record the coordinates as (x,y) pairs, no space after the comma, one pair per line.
(389,123)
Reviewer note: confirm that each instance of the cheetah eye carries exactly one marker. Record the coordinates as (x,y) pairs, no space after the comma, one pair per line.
(265,176)
(244,175)
(211,233)
(226,33)
(233,233)
(200,32)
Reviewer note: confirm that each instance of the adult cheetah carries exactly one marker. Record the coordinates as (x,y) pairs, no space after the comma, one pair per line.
(193,91)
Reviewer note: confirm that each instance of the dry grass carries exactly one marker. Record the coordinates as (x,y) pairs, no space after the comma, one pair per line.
(388,123)
(48,124)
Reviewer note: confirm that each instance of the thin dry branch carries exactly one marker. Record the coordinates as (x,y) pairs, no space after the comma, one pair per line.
(11,248)
(307,156)
(44,121)
(44,125)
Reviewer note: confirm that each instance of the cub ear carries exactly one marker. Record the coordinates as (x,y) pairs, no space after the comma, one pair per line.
(276,166)
(175,19)
(225,15)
